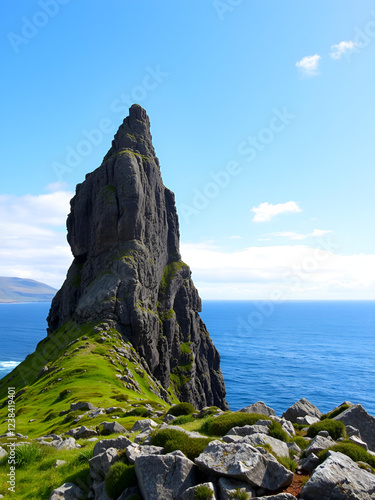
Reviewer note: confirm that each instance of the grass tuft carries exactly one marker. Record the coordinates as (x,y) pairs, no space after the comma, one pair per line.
(335,428)
(181,409)
(119,477)
(173,439)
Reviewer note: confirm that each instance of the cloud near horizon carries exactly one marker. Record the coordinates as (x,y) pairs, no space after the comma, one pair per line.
(287,271)
(34,245)
(266,211)
(33,242)
(309,65)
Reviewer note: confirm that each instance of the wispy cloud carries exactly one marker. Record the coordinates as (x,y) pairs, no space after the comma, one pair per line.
(33,236)
(309,65)
(266,211)
(292,235)
(342,48)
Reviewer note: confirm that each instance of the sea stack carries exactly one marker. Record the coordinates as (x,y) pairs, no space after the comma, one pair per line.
(127,271)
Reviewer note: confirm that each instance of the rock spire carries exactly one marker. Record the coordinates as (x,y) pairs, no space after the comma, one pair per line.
(127,271)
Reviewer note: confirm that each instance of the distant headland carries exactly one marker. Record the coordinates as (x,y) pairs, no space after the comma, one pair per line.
(14,290)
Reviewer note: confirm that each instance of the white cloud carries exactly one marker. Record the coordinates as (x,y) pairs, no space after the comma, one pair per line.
(342,48)
(33,236)
(290,272)
(291,235)
(309,65)
(266,211)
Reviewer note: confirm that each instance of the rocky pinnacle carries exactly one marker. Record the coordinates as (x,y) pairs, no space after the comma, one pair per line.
(127,271)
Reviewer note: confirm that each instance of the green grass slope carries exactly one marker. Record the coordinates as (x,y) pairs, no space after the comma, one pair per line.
(84,364)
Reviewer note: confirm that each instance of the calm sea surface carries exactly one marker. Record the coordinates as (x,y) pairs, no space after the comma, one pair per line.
(276,353)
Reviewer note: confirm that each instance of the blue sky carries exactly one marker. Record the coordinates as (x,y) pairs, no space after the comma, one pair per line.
(262,115)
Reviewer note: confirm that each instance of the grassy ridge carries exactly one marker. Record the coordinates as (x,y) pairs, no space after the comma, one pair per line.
(82,367)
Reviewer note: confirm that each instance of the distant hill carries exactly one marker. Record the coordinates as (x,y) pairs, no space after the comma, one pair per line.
(24,290)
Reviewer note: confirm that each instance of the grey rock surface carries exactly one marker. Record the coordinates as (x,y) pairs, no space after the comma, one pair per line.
(119,443)
(135,450)
(170,476)
(356,416)
(100,464)
(307,420)
(260,408)
(229,487)
(140,425)
(309,463)
(123,231)
(82,406)
(301,408)
(318,444)
(190,493)
(278,447)
(130,492)
(66,444)
(67,491)
(111,428)
(339,478)
(244,462)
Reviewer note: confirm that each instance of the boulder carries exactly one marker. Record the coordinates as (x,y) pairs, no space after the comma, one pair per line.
(309,463)
(244,462)
(140,425)
(100,464)
(278,447)
(169,418)
(82,406)
(85,432)
(68,491)
(286,425)
(301,408)
(294,446)
(318,444)
(339,478)
(356,416)
(144,436)
(352,431)
(307,420)
(119,443)
(170,476)
(229,487)
(259,407)
(357,440)
(133,451)
(190,493)
(107,428)
(247,430)
(66,444)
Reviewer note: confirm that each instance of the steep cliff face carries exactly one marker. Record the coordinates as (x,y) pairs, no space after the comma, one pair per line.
(127,271)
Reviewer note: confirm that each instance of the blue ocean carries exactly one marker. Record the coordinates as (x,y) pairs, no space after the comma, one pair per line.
(273,352)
